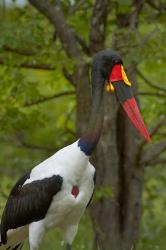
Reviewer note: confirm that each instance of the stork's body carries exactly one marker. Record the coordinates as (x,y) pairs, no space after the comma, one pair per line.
(57,191)
(74,176)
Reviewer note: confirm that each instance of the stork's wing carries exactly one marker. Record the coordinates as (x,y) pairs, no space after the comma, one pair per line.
(28,203)
(94,180)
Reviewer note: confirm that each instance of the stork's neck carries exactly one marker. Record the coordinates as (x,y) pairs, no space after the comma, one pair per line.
(90,138)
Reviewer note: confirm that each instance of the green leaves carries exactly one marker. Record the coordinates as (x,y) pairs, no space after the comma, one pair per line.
(124,6)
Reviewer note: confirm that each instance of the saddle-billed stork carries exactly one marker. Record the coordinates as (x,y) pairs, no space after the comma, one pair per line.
(56,192)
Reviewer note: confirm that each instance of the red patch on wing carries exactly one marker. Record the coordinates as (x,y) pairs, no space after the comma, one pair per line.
(75,191)
(116,74)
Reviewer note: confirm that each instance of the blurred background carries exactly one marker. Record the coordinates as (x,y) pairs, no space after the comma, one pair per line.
(46,48)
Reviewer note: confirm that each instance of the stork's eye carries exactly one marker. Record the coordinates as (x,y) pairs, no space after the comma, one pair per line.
(116,61)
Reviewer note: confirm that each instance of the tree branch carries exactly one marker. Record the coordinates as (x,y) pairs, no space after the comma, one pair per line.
(49,98)
(158,125)
(23,143)
(134,18)
(36,147)
(56,17)
(67,119)
(45,8)
(158,161)
(152,131)
(68,76)
(161,7)
(97,25)
(149,82)
(19,51)
(28,65)
(153,153)
(77,6)
(83,44)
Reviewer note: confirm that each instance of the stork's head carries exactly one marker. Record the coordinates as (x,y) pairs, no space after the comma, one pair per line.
(108,67)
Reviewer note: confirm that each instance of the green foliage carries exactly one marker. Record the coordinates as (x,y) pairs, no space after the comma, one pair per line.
(124,6)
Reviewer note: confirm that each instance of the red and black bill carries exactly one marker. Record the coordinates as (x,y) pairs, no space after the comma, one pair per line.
(123,90)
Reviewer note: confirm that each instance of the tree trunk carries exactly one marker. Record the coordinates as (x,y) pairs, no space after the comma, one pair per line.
(105,211)
(83,96)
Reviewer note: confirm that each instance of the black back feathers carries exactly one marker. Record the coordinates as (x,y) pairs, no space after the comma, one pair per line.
(28,203)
